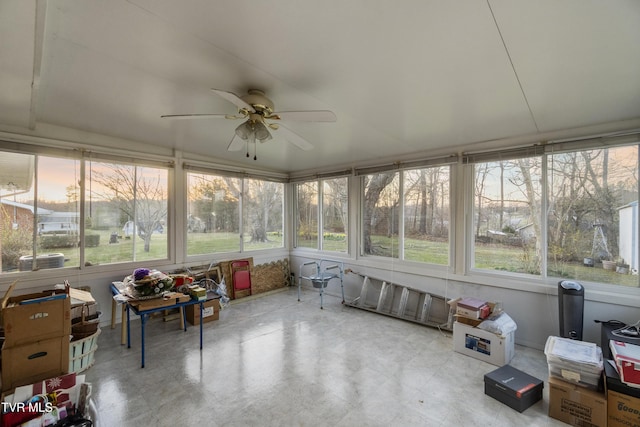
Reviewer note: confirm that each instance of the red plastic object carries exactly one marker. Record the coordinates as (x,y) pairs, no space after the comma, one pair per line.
(241,276)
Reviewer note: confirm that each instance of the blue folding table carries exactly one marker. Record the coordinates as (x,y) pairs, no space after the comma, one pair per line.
(167,304)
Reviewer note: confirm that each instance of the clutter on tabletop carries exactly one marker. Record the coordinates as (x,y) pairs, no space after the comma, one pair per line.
(181,282)
(58,399)
(198,293)
(146,283)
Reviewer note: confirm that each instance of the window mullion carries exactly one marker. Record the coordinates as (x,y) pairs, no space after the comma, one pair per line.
(320,214)
(401,196)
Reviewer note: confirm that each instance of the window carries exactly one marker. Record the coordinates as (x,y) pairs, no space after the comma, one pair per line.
(216,205)
(39,231)
(335,214)
(586,228)
(506,229)
(307,215)
(58,214)
(381,220)
(331,198)
(213,214)
(262,213)
(592,220)
(426,215)
(406,214)
(126,213)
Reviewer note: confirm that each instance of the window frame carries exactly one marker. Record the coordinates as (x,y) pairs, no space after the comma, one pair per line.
(449,163)
(545,152)
(320,205)
(83,157)
(196,168)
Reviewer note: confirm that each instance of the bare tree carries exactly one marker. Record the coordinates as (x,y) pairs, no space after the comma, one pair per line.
(137,193)
(307,209)
(481,172)
(337,201)
(261,199)
(374,187)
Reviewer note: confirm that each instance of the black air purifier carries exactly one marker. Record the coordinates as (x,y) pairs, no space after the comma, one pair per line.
(571,305)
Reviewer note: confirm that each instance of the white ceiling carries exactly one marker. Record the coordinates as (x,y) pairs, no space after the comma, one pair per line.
(406,78)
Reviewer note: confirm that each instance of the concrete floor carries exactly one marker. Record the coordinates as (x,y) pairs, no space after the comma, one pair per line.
(274,361)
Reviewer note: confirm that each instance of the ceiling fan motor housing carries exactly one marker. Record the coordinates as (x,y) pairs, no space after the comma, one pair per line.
(257,99)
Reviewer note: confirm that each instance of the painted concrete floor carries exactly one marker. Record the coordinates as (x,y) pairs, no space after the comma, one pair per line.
(274,361)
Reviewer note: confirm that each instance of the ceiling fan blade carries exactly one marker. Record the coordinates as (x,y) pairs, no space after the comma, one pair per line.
(234,99)
(194,116)
(294,138)
(236,143)
(306,116)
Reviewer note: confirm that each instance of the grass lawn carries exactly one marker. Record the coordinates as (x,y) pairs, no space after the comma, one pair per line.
(490,257)
(499,257)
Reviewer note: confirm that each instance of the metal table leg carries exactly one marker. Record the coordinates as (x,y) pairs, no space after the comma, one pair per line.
(143,321)
(128,327)
(201,310)
(123,325)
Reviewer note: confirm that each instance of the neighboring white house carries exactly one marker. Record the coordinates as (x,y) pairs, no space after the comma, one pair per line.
(59,222)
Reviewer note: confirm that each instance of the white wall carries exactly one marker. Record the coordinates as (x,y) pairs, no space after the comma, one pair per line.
(535,311)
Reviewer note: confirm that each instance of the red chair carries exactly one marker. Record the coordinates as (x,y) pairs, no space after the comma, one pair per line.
(241,276)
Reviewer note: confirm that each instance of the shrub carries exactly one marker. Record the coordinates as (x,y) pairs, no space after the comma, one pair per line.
(91,240)
(49,241)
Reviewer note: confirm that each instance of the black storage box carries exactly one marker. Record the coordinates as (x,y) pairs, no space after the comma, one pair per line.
(513,387)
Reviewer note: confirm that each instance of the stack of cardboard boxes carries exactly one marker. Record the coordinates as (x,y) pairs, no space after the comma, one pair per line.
(622,383)
(473,340)
(36,342)
(575,370)
(580,396)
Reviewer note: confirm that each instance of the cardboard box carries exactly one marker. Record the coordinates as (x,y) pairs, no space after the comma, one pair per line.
(210,312)
(493,309)
(168,300)
(622,410)
(481,313)
(483,345)
(197,292)
(513,387)
(473,308)
(623,402)
(575,405)
(33,317)
(34,362)
(82,304)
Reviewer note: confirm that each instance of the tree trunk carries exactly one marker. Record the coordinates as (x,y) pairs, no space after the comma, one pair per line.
(377,184)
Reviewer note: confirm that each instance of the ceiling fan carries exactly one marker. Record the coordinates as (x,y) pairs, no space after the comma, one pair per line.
(258,110)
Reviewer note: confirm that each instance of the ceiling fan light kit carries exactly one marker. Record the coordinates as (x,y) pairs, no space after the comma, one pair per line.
(252,130)
(256,108)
